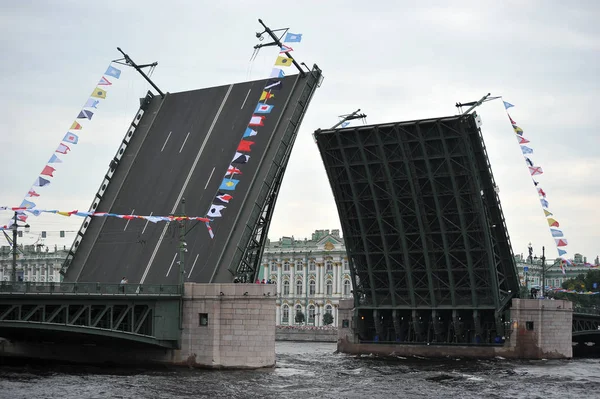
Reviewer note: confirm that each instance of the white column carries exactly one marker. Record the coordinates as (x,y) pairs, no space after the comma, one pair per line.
(322,274)
(278,314)
(305,278)
(318,315)
(335,278)
(292,278)
(279,288)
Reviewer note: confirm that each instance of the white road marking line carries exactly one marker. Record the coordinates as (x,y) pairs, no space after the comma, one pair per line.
(244,103)
(209,177)
(173,261)
(164,145)
(146,225)
(184,141)
(195,260)
(162,235)
(127,224)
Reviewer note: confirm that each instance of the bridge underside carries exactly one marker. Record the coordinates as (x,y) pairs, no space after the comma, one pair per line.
(429,253)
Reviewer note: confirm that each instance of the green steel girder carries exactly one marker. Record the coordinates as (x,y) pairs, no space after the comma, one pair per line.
(360,221)
(124,318)
(585,324)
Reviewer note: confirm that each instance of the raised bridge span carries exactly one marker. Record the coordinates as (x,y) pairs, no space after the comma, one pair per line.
(180,147)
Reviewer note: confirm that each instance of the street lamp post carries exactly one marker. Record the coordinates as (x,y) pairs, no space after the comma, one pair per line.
(543,259)
(15,226)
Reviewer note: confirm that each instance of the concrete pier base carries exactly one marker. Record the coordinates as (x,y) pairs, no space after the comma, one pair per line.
(224,326)
(540,329)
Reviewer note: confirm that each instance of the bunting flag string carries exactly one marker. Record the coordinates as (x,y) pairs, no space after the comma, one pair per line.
(534,170)
(69,139)
(153,218)
(258,120)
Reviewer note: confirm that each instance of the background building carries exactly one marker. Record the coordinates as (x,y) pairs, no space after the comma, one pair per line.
(530,270)
(35,263)
(311,276)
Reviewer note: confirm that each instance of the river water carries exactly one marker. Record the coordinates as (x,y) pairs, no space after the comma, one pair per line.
(313,370)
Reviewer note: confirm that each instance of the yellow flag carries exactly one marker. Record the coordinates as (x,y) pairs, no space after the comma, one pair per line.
(75,126)
(64,213)
(284,61)
(518,130)
(553,223)
(266,95)
(99,93)
(548,213)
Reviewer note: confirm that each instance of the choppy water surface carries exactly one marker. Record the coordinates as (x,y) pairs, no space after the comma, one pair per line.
(312,370)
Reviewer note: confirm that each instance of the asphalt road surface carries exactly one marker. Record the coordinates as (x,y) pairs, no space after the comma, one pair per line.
(182,149)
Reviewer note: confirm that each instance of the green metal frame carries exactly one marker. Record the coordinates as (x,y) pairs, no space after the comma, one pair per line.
(422,224)
(142,313)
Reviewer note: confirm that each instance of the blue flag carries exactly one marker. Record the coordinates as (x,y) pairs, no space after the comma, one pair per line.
(229,184)
(561,252)
(556,233)
(71,138)
(27,204)
(54,159)
(91,103)
(507,105)
(344,124)
(526,150)
(544,203)
(249,132)
(293,38)
(112,71)
(263,108)
(85,114)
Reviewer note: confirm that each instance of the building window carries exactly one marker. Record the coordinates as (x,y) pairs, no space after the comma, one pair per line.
(346,266)
(286,287)
(298,311)
(311,266)
(311,314)
(329,266)
(328,309)
(286,266)
(346,287)
(299,265)
(299,287)
(329,287)
(285,318)
(312,287)
(274,266)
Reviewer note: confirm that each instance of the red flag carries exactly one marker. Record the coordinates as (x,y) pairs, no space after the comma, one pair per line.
(245,145)
(511,120)
(256,120)
(541,192)
(48,170)
(522,140)
(32,193)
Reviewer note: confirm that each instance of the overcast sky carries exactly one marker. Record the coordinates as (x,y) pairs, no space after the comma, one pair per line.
(396,60)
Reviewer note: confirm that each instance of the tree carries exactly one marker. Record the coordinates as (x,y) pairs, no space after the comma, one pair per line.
(299,317)
(327,319)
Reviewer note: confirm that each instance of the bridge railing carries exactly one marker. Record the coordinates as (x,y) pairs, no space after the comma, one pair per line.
(591,311)
(7,287)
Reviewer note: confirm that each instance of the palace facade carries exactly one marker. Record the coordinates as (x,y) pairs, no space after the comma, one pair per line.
(35,263)
(311,276)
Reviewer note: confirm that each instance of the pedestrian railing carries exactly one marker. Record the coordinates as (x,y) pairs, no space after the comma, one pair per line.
(128,289)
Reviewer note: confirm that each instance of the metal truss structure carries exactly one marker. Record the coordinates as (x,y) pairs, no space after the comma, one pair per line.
(429,252)
(87,316)
(246,263)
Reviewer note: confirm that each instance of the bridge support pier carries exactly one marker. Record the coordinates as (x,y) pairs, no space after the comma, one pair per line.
(536,329)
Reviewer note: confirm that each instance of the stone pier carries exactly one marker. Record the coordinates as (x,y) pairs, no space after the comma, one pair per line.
(228,326)
(540,329)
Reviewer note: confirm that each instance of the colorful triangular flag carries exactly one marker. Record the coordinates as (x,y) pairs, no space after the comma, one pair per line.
(224,198)
(104,82)
(553,222)
(556,233)
(547,213)
(240,158)
(215,211)
(263,108)
(85,114)
(75,126)
(249,132)
(41,182)
(32,193)
(63,149)
(507,105)
(285,49)
(561,242)
(232,170)
(535,170)
(522,140)
(71,138)
(91,103)
(266,95)
(526,150)
(54,159)
(256,120)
